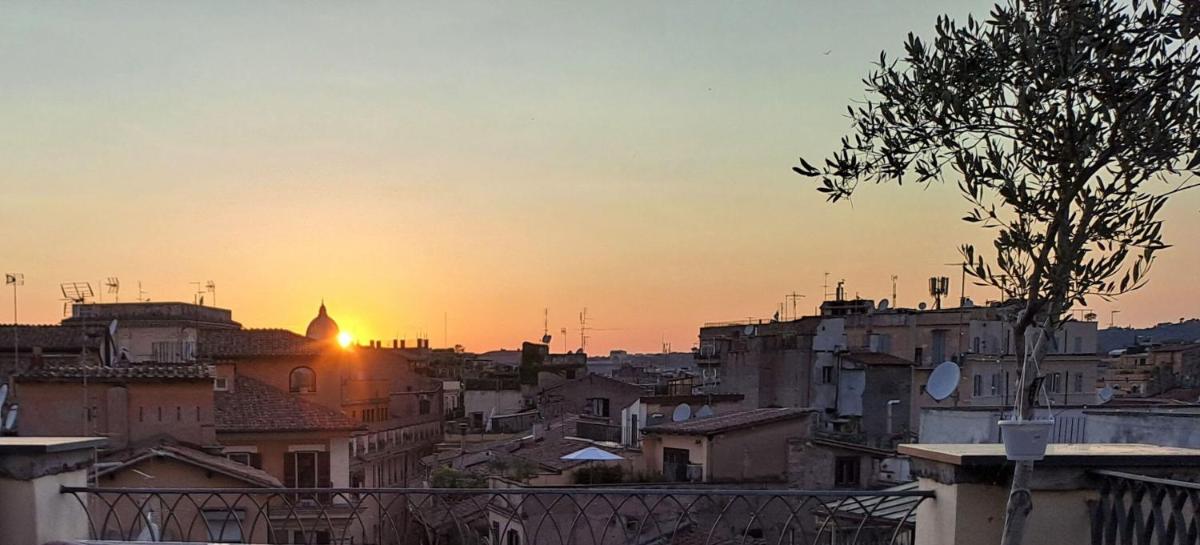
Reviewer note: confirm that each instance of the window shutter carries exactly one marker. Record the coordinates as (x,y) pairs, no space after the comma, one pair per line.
(289,470)
(256,460)
(323,470)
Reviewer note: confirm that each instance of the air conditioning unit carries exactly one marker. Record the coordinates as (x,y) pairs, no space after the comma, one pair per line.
(695,473)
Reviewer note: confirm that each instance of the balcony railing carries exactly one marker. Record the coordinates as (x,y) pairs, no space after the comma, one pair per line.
(502,516)
(1135,509)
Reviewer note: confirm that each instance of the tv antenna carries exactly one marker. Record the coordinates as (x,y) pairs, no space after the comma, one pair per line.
(14,280)
(583,329)
(198,295)
(962,294)
(211,288)
(113,286)
(546,326)
(895,301)
(75,293)
(564,338)
(1112,318)
(825,286)
(939,286)
(793,297)
(142,293)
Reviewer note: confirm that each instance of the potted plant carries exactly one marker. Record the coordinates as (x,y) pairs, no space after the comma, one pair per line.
(1025,440)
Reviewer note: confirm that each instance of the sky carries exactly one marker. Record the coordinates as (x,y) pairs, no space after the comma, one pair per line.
(452,169)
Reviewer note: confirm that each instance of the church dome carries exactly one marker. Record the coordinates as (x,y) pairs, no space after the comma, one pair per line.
(322,328)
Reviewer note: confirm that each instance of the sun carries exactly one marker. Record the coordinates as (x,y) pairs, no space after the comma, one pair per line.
(344,339)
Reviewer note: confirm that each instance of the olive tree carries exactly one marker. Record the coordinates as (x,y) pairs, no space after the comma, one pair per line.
(1066,125)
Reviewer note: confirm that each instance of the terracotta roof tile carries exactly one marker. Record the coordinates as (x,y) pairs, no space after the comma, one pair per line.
(156,371)
(226,343)
(130,457)
(254,406)
(727,422)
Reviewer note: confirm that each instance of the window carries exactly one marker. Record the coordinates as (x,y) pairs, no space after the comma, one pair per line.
(919,355)
(977,385)
(975,345)
(1078,383)
(995,388)
(513,538)
(598,406)
(939,345)
(1054,383)
(827,374)
(224,526)
(423,404)
(239,457)
(306,469)
(846,472)
(302,381)
(221,384)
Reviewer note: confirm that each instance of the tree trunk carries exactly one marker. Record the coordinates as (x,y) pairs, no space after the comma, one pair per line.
(1020,499)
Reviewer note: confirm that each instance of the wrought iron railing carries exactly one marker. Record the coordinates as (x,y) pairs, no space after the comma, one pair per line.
(502,516)
(1136,509)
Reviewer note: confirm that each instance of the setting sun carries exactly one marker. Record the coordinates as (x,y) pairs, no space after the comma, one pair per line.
(344,339)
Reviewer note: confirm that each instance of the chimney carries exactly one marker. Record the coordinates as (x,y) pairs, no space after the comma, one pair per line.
(403,342)
(395,344)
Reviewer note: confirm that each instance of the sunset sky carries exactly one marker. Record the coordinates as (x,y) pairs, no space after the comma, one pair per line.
(478,161)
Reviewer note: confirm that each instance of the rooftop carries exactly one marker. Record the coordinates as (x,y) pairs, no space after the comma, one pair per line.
(136,372)
(876,358)
(728,422)
(46,445)
(217,464)
(236,343)
(254,406)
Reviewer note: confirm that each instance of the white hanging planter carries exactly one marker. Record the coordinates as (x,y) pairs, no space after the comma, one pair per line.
(1025,440)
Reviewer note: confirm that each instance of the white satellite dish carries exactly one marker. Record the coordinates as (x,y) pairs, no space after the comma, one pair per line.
(1104,395)
(3,394)
(749,330)
(884,304)
(922,306)
(704,412)
(682,412)
(10,420)
(943,381)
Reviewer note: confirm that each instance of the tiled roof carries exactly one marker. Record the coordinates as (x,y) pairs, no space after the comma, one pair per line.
(876,358)
(49,337)
(727,422)
(218,464)
(235,343)
(692,398)
(254,406)
(150,372)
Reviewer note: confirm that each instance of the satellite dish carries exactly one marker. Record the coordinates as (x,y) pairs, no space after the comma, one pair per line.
(943,381)
(884,304)
(704,412)
(10,420)
(682,412)
(3,394)
(922,306)
(1104,395)
(749,330)
(545,339)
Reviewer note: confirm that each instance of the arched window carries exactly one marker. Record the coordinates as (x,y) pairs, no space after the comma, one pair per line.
(302,381)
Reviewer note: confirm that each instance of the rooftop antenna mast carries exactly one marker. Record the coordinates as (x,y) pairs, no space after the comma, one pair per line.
(793,297)
(564,338)
(939,286)
(825,286)
(962,295)
(113,285)
(546,326)
(14,280)
(198,295)
(583,329)
(1112,318)
(894,302)
(142,293)
(211,288)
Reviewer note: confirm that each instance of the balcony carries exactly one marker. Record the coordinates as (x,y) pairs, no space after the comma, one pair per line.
(517,516)
(1100,494)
